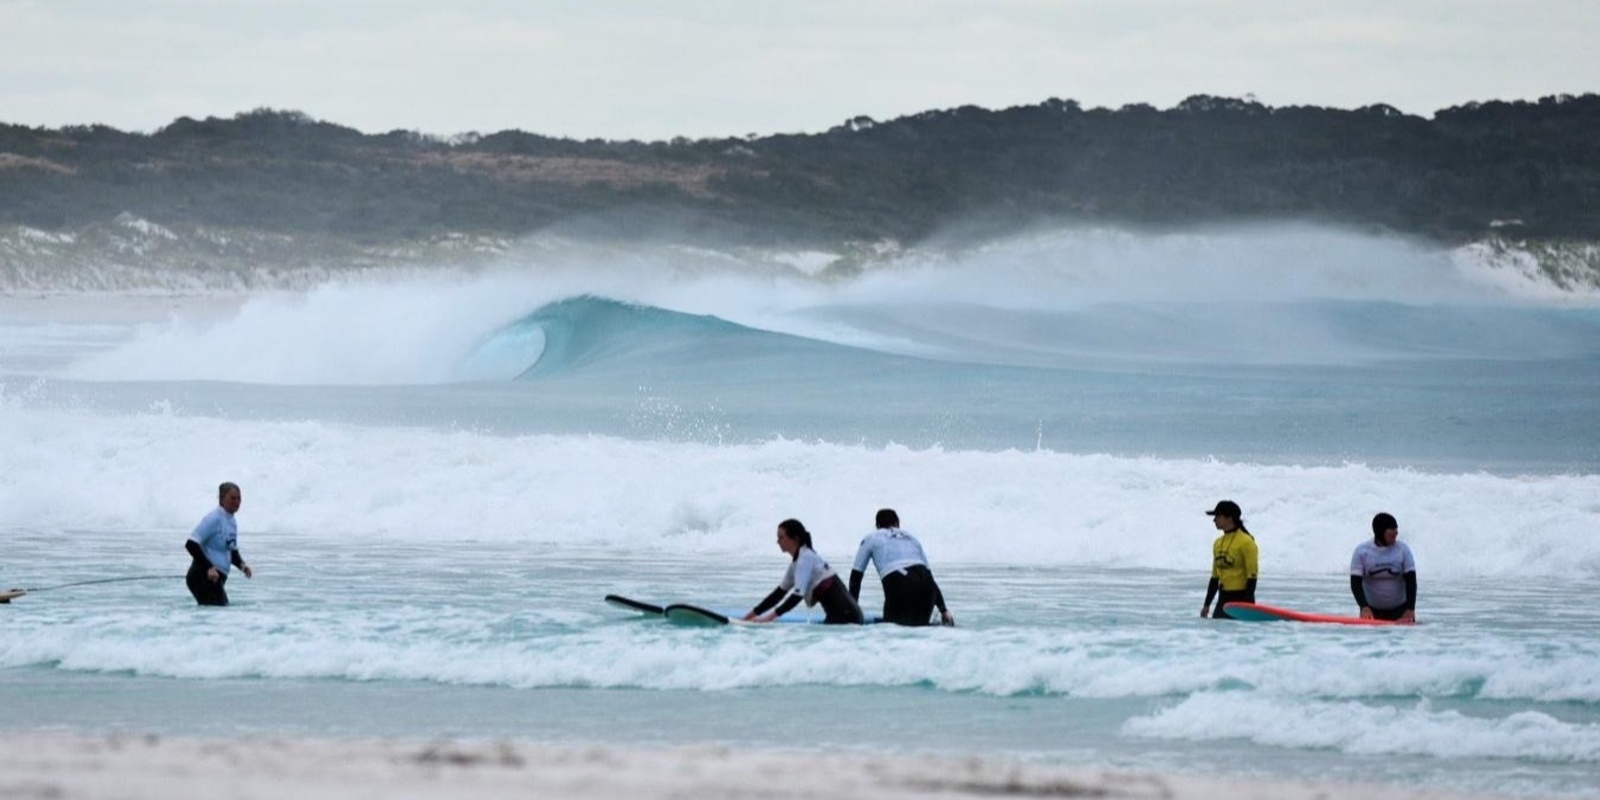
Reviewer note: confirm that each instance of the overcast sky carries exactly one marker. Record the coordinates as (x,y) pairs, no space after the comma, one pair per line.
(653,69)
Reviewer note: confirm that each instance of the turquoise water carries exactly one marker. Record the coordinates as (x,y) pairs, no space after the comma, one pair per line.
(1053,664)
(443,477)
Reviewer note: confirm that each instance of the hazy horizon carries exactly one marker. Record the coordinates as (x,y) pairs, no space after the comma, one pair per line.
(634,70)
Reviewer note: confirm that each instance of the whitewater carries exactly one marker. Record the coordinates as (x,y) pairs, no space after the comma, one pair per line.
(444,472)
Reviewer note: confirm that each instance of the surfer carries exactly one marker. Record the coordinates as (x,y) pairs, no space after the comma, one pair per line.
(1233,561)
(1383,574)
(808,578)
(214,546)
(909,591)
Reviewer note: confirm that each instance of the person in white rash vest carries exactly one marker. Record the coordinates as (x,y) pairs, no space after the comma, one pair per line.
(909,591)
(214,548)
(1383,574)
(808,579)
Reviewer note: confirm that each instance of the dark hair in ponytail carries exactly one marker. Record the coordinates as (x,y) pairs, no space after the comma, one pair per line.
(793,529)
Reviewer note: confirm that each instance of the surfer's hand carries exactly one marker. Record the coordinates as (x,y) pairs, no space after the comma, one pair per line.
(213,575)
(1409,617)
(1205,611)
(1366,613)
(947,619)
(248,572)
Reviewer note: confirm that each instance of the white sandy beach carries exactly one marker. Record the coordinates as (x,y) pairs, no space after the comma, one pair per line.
(59,767)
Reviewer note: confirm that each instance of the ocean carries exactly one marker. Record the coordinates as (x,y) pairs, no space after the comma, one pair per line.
(445,471)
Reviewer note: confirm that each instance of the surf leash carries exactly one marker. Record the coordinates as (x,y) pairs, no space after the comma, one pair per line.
(101,580)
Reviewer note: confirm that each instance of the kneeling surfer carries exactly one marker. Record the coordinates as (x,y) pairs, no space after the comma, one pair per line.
(808,578)
(909,591)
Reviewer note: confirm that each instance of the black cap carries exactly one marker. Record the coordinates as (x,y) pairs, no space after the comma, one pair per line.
(1226,508)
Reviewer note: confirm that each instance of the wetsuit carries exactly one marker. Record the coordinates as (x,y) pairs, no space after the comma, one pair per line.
(214,543)
(909,591)
(1384,579)
(809,578)
(1233,571)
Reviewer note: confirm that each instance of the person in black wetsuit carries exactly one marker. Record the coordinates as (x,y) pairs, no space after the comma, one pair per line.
(214,548)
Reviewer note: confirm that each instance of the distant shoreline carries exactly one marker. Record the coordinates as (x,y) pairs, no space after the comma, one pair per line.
(1526,169)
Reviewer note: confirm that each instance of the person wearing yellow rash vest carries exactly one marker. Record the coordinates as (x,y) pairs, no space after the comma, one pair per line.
(1233,561)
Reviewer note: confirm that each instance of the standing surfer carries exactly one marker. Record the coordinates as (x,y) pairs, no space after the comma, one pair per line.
(1233,561)
(214,546)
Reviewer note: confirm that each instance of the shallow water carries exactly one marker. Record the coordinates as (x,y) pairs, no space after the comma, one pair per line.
(442,479)
(1057,664)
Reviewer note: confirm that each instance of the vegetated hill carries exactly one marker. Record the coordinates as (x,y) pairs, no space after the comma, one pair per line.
(1207,160)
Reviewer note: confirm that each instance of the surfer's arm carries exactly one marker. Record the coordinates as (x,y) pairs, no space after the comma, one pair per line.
(1211,594)
(238,561)
(786,606)
(1250,589)
(938,601)
(767,602)
(1411,591)
(858,568)
(1359,591)
(938,595)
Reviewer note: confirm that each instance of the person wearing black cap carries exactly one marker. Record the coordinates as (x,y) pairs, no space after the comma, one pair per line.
(1233,561)
(1383,574)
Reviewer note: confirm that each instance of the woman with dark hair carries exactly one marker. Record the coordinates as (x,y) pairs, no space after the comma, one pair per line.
(1383,574)
(1233,561)
(808,578)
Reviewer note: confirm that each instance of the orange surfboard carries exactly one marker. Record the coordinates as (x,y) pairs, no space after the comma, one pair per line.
(1255,612)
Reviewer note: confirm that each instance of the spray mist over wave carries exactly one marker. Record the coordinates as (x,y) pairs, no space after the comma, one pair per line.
(1062,299)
